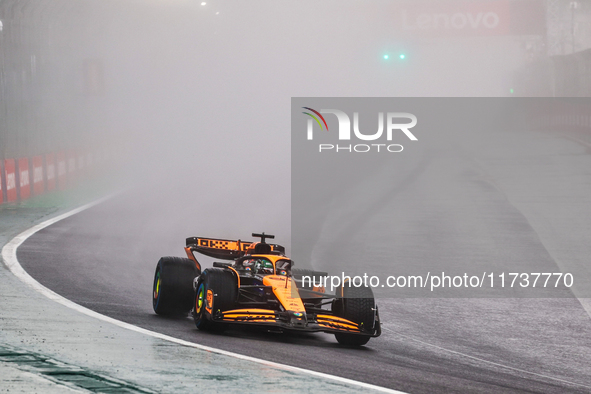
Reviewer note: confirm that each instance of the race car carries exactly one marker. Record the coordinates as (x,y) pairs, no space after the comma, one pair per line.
(259,287)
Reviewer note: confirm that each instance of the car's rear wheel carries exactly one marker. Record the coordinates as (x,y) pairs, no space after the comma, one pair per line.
(358,305)
(173,286)
(217,290)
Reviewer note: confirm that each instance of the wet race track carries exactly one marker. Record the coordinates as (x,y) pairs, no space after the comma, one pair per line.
(104,259)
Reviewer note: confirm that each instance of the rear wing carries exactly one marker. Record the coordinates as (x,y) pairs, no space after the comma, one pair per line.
(226,249)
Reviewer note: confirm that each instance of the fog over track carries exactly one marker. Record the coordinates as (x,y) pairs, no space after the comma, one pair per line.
(193,103)
(104,259)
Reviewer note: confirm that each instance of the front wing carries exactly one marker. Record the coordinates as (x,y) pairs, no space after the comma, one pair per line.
(309,322)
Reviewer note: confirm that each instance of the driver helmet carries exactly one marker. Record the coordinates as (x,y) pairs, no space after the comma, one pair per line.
(264,267)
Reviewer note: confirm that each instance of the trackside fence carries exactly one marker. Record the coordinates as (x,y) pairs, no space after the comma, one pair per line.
(572,116)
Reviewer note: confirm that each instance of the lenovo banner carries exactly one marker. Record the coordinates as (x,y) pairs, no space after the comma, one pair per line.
(471,18)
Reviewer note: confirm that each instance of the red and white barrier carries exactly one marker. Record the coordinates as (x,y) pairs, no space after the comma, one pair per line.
(71,160)
(61,170)
(38,175)
(50,171)
(1,190)
(24,177)
(10,176)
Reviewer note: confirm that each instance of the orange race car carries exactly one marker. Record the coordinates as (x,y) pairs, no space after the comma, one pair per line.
(259,287)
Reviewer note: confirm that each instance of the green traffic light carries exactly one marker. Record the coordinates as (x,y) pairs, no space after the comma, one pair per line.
(386,57)
(402,56)
(511,90)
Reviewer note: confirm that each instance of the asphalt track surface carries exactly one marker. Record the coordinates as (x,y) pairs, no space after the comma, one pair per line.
(104,259)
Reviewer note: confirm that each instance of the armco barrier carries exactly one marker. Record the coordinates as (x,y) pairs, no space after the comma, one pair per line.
(38,175)
(10,176)
(24,177)
(50,171)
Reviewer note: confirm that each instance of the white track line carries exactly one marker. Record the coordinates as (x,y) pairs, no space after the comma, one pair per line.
(486,361)
(10,260)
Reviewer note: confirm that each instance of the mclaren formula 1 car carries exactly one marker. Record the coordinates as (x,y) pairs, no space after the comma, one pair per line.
(259,287)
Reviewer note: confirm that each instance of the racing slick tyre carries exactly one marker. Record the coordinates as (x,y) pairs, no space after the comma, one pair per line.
(217,290)
(358,305)
(173,286)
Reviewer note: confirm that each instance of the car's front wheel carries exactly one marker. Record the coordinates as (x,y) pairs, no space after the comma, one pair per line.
(356,304)
(216,291)
(173,286)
